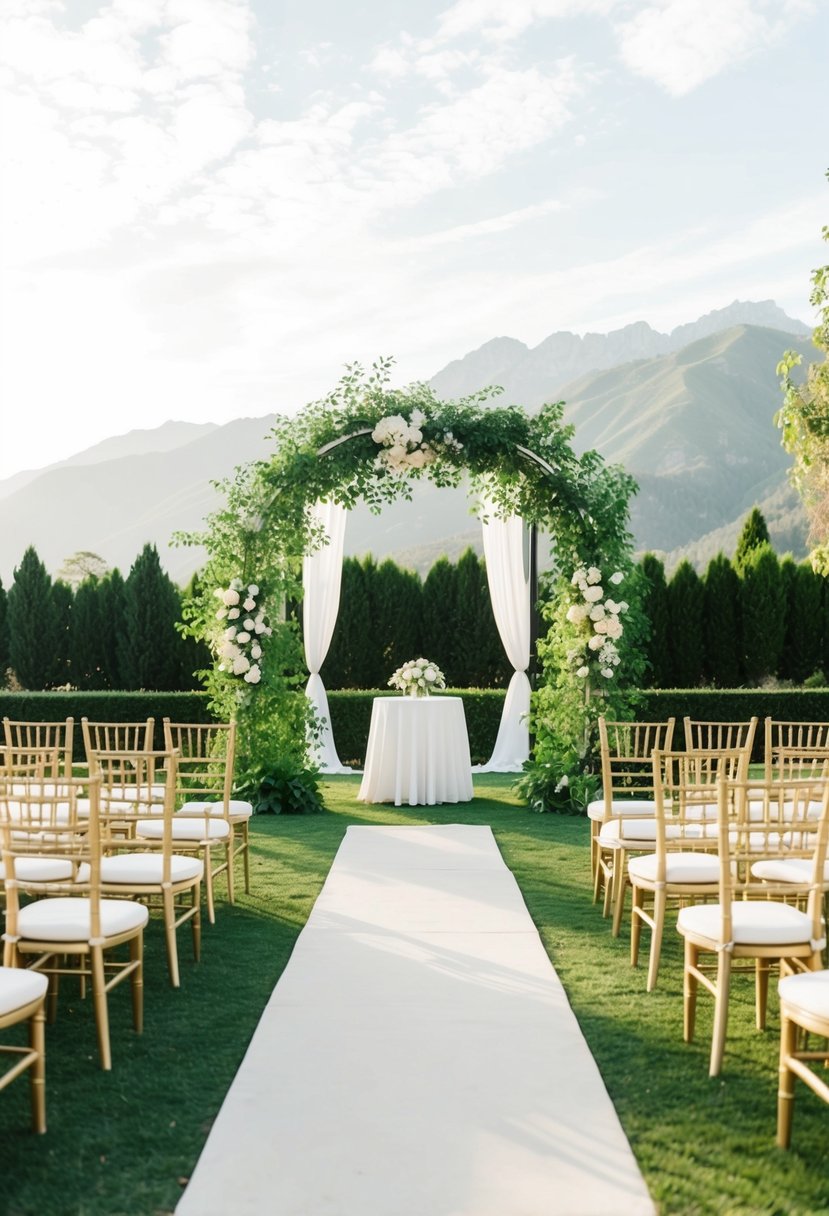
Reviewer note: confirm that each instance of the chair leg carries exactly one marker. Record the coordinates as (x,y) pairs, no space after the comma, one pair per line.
(37,1072)
(170,936)
(762,966)
(785,1090)
(721,999)
(689,992)
(99,999)
(196,922)
(52,997)
(231,879)
(246,854)
(137,978)
(637,900)
(660,901)
(620,883)
(208,885)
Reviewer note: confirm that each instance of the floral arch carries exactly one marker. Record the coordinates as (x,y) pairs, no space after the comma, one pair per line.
(366,441)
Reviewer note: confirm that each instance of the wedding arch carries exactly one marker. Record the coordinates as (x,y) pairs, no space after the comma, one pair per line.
(277,540)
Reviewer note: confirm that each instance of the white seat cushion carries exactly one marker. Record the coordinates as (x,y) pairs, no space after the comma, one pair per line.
(185,827)
(621,806)
(19,987)
(67,920)
(679,867)
(39,869)
(788,869)
(808,992)
(236,809)
(145,869)
(754,923)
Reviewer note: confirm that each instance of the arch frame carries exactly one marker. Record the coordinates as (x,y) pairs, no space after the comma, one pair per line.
(369,442)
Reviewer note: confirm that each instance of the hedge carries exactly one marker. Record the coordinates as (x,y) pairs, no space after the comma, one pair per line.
(351,711)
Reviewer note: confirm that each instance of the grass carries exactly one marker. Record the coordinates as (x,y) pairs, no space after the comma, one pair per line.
(124,1143)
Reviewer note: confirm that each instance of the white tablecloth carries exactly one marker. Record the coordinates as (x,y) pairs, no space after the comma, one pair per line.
(417,752)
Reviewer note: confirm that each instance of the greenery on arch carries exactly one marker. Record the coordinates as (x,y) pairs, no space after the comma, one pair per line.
(369,442)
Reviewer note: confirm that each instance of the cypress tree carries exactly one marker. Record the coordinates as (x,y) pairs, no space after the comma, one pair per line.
(396,616)
(801,655)
(439,618)
(112,608)
(194,653)
(654,605)
(4,634)
(376,673)
(763,613)
(62,598)
(685,615)
(721,623)
(349,662)
(754,534)
(86,641)
(148,651)
(33,628)
(474,623)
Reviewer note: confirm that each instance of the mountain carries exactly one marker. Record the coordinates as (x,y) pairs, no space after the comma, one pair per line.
(532,376)
(694,425)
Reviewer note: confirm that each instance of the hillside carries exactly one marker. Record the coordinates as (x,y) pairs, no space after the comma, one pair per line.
(693,425)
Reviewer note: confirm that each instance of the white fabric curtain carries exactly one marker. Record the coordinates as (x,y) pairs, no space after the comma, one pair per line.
(507,554)
(321,579)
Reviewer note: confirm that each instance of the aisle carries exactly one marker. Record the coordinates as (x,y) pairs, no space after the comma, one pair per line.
(418,1057)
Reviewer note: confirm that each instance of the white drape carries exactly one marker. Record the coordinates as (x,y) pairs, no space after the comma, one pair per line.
(321,579)
(506,550)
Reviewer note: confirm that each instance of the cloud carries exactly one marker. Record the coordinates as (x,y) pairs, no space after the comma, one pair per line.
(679,44)
(504,20)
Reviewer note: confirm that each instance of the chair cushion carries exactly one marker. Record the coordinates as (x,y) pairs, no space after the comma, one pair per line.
(19,986)
(67,920)
(788,869)
(808,992)
(616,831)
(39,869)
(185,827)
(754,923)
(679,867)
(145,869)
(236,809)
(621,806)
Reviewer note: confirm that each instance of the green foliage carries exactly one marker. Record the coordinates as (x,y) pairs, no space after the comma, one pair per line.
(754,534)
(801,651)
(148,652)
(524,463)
(276,791)
(85,647)
(112,617)
(350,654)
(654,604)
(63,601)
(762,612)
(395,618)
(804,422)
(33,624)
(686,615)
(4,633)
(440,593)
(564,784)
(721,608)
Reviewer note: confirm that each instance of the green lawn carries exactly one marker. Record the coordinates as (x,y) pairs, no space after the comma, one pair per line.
(124,1143)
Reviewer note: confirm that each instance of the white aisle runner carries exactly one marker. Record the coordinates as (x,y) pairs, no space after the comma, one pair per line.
(418,1057)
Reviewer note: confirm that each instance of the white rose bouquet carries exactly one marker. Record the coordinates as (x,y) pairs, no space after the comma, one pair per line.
(403,447)
(418,678)
(596,617)
(240,645)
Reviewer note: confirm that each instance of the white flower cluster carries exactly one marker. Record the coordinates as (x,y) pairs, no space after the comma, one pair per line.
(239,646)
(403,444)
(598,617)
(418,674)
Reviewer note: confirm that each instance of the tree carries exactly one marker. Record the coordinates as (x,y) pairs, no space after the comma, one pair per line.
(4,634)
(439,617)
(194,653)
(87,654)
(763,614)
(685,616)
(33,625)
(800,655)
(348,662)
(396,616)
(754,534)
(81,566)
(148,652)
(112,624)
(654,605)
(804,420)
(62,598)
(722,622)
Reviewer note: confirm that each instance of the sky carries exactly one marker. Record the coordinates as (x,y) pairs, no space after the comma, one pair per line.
(209,207)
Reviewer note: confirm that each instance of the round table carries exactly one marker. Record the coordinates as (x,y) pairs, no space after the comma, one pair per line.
(417,752)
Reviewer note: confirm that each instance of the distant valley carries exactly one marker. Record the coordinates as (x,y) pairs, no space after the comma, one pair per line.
(689,414)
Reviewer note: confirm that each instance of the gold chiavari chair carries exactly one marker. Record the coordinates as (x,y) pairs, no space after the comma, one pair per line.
(684,866)
(67,918)
(719,736)
(623,819)
(804,1010)
(147,869)
(23,736)
(753,922)
(23,999)
(786,737)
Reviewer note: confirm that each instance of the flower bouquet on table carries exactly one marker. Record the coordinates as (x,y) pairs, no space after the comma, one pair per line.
(418,678)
